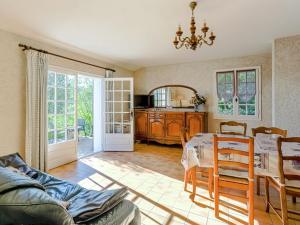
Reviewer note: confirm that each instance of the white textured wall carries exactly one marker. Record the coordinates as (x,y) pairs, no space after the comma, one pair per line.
(12,85)
(286,76)
(200,75)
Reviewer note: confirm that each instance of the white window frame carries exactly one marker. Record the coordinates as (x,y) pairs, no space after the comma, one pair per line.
(235,115)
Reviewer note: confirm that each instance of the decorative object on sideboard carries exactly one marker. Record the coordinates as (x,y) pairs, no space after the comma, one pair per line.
(194,40)
(199,102)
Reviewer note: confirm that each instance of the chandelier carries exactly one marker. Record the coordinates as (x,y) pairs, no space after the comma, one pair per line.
(194,40)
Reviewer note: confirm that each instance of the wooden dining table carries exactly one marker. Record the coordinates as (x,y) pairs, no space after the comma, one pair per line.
(199,152)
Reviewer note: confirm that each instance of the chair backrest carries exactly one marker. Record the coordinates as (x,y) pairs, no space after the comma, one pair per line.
(183,137)
(269,130)
(282,158)
(233,124)
(234,164)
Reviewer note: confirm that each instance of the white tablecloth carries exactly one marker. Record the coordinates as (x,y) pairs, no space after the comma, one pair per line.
(199,152)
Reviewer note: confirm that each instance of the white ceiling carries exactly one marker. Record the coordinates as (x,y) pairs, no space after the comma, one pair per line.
(138,33)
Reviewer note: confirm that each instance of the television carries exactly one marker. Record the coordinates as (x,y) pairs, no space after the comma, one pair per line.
(141,101)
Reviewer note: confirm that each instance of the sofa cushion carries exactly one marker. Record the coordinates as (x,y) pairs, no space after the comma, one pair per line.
(23,201)
(16,161)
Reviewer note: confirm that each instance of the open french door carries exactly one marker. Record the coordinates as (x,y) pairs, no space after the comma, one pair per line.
(118,114)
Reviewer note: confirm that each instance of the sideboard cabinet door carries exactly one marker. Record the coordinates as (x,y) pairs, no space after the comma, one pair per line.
(196,123)
(141,122)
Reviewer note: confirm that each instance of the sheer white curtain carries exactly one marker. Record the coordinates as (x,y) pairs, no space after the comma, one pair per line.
(36,110)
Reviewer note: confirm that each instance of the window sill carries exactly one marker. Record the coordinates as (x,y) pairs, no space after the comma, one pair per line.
(219,117)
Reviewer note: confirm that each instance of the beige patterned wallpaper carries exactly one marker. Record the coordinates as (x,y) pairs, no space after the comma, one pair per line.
(200,75)
(286,77)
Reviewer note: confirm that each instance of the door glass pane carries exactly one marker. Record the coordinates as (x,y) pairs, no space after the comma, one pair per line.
(70,94)
(70,134)
(60,121)
(109,96)
(51,139)
(126,106)
(109,106)
(60,135)
(70,120)
(118,96)
(70,107)
(126,129)
(60,108)
(51,108)
(117,107)
(126,96)
(60,94)
(126,117)
(118,85)
(118,118)
(60,80)
(109,128)
(51,93)
(51,78)
(71,81)
(51,122)
(117,128)
(126,85)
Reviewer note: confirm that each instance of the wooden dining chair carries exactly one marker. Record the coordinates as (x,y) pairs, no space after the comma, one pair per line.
(234,174)
(191,176)
(285,184)
(270,131)
(187,174)
(233,124)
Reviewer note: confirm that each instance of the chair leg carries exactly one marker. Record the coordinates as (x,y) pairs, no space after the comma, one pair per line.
(186,179)
(294,199)
(216,192)
(251,203)
(194,182)
(210,182)
(283,203)
(258,185)
(267,194)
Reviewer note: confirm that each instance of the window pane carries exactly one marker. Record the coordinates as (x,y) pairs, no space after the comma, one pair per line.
(225,109)
(51,108)
(60,80)
(60,94)
(126,96)
(51,79)
(51,93)
(60,108)
(60,135)
(60,122)
(221,78)
(242,89)
(109,96)
(251,76)
(51,122)
(70,94)
(242,110)
(51,137)
(251,110)
(70,81)
(70,121)
(242,77)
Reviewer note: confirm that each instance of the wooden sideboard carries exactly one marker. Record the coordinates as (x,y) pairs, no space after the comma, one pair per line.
(165,126)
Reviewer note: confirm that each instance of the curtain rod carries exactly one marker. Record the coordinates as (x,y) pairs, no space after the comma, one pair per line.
(25,47)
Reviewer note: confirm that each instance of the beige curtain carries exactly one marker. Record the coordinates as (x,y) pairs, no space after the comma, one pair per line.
(36,110)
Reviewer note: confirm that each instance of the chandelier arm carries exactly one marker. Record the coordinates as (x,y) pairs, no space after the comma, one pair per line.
(184,39)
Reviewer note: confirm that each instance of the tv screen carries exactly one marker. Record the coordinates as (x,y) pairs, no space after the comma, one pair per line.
(141,101)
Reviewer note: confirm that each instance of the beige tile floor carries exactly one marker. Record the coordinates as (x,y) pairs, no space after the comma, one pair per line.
(154,175)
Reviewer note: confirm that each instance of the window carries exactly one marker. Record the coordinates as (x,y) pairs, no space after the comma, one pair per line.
(61,107)
(160,96)
(238,93)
